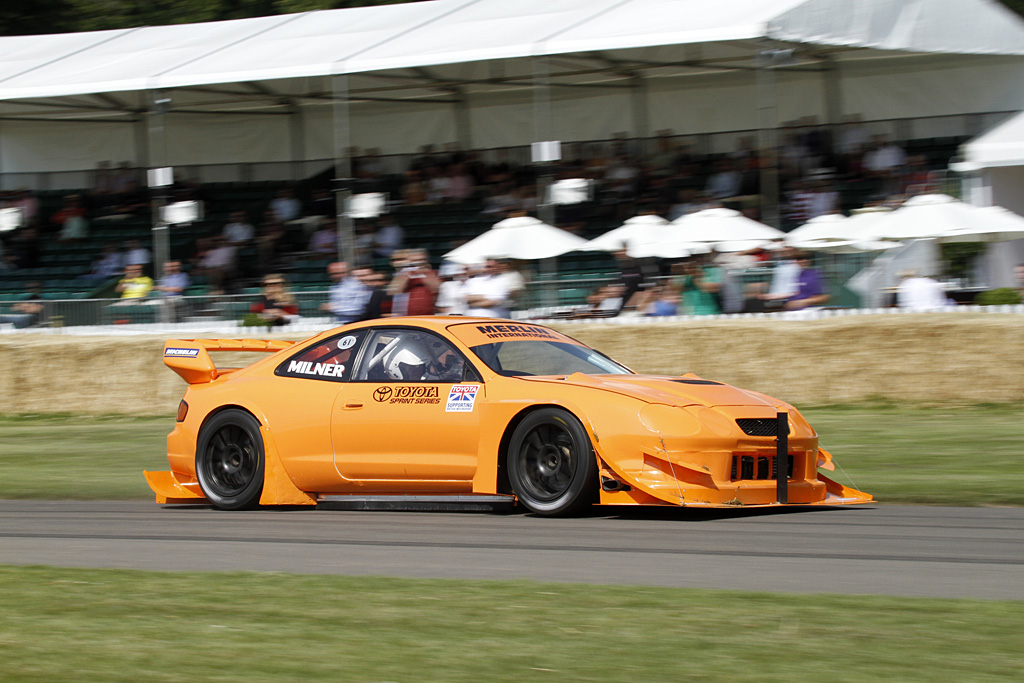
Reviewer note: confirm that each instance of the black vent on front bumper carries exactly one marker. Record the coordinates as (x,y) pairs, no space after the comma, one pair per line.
(757,467)
(759,426)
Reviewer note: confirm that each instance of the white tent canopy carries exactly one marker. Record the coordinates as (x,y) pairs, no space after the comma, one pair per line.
(1001,146)
(446,59)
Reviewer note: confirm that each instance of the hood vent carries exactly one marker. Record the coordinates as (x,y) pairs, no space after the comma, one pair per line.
(759,426)
(697,381)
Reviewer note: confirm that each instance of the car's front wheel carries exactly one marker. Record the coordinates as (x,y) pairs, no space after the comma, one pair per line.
(551,465)
(230,460)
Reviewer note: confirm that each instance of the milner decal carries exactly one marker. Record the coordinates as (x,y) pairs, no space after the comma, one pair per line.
(181,353)
(461,398)
(306,367)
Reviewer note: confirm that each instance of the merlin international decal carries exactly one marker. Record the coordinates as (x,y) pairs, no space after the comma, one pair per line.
(513,331)
(407,394)
(181,353)
(461,398)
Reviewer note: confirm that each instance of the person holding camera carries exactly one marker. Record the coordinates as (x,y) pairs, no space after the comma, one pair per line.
(415,285)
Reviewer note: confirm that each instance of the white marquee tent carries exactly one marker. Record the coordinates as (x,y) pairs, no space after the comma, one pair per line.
(491,73)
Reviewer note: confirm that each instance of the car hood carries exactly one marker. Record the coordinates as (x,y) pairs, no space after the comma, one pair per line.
(685,390)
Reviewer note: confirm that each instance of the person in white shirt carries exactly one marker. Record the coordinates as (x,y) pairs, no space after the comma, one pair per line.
(451,295)
(487,293)
(919,293)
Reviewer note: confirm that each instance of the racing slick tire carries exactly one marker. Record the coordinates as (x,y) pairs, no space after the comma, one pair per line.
(551,464)
(230,460)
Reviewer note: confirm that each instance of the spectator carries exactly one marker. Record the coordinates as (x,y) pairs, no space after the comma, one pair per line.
(286,207)
(633,276)
(170,289)
(325,239)
(603,302)
(459,186)
(134,285)
(238,231)
(270,239)
(451,295)
(419,282)
(784,278)
(1019,273)
(28,312)
(487,293)
(388,236)
(276,305)
(919,292)
(70,220)
(810,286)
(726,181)
(377,303)
(108,264)
(348,296)
(665,302)
(137,255)
(217,261)
(700,283)
(414,189)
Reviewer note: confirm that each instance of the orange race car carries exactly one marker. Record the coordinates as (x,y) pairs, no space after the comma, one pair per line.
(444,409)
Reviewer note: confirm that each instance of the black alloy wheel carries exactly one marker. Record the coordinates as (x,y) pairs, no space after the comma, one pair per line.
(551,465)
(230,460)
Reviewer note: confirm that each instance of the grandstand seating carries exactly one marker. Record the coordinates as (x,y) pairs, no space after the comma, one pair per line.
(438,228)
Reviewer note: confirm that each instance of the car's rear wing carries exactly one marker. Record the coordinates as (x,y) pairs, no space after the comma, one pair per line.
(190,358)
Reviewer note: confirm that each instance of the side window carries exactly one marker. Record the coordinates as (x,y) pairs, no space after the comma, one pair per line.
(400,355)
(331,360)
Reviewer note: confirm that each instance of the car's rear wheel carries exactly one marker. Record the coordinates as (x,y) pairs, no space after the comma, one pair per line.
(230,460)
(551,465)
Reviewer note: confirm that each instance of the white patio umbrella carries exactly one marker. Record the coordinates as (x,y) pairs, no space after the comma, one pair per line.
(1002,225)
(930,216)
(521,237)
(838,234)
(826,227)
(637,230)
(725,229)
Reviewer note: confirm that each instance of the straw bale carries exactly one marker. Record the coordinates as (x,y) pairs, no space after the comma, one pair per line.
(922,358)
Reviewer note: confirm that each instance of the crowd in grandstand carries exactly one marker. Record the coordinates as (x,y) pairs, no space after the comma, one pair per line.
(390,272)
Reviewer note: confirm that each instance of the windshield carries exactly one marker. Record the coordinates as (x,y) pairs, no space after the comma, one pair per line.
(537,357)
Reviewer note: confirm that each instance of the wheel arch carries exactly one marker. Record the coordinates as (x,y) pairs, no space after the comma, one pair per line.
(278,488)
(502,484)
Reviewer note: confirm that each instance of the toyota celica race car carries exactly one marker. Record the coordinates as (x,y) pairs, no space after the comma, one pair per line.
(475,410)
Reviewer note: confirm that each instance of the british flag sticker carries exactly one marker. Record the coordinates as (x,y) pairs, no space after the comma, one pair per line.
(461,398)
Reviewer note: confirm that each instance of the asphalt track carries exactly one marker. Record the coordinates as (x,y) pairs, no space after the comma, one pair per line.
(890,550)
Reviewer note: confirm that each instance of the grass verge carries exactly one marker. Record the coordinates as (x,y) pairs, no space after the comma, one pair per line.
(902,454)
(114,625)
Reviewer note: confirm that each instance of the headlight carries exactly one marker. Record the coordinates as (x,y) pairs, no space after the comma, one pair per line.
(662,419)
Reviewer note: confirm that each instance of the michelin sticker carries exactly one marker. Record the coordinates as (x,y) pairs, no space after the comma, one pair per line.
(461,398)
(181,353)
(346,342)
(306,367)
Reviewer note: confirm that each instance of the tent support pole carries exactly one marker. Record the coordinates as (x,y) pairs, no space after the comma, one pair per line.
(343,167)
(543,132)
(768,123)
(159,104)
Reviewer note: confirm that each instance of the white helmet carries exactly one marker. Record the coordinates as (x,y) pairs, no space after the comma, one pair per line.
(407,362)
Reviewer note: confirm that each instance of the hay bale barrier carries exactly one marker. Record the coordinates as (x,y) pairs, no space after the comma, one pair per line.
(928,358)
